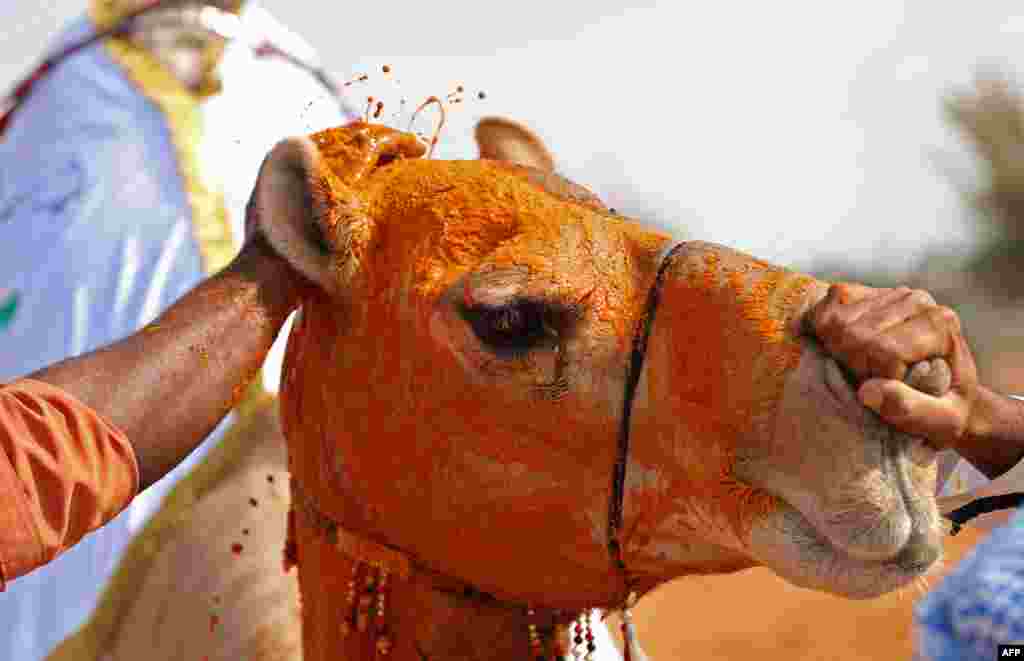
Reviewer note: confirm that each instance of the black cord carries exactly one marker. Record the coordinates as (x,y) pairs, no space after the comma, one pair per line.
(975,508)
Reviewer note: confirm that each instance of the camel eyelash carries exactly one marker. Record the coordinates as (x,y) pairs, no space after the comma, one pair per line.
(515,328)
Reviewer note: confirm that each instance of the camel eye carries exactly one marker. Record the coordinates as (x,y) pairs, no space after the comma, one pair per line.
(510,330)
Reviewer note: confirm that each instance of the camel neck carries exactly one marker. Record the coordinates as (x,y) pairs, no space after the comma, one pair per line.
(363,600)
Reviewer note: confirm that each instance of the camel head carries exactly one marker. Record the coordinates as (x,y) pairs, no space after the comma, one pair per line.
(455,386)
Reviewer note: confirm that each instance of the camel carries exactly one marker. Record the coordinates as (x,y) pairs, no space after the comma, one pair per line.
(714,491)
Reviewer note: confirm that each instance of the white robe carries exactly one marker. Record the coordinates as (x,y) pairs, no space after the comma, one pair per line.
(96,241)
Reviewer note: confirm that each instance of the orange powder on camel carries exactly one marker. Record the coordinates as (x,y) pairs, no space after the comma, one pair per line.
(724,340)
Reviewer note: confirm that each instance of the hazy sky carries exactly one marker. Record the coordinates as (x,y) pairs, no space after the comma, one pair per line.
(791,130)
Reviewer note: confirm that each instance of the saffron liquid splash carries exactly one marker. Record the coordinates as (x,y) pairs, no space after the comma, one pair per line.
(375,107)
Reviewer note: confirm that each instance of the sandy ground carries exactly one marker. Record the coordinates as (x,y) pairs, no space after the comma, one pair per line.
(755,615)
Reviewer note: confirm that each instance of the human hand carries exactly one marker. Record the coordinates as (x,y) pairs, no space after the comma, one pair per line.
(258,260)
(877,334)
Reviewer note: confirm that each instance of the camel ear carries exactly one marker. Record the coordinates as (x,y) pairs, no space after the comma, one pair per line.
(502,139)
(308,215)
(306,202)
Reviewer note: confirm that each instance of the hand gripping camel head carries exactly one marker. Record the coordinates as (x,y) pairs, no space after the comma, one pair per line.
(457,385)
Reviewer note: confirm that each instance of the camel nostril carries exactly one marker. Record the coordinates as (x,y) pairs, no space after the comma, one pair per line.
(918,554)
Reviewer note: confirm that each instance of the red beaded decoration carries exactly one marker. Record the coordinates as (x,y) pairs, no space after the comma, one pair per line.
(559,634)
(536,646)
(383,643)
(366,600)
(348,622)
(589,637)
(578,640)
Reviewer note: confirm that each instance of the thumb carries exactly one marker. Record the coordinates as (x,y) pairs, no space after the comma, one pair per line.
(935,419)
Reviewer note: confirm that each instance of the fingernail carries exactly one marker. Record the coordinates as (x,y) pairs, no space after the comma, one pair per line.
(871,397)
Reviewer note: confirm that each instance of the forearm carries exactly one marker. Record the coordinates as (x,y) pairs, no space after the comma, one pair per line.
(994,442)
(167,386)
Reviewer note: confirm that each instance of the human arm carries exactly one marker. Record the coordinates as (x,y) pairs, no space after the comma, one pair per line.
(75,450)
(64,471)
(877,333)
(167,386)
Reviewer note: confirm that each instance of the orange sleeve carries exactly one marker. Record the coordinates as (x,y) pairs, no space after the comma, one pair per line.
(64,471)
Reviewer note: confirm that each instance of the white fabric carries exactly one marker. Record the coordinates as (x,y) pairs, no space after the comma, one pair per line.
(96,240)
(957,476)
(263,102)
(240,125)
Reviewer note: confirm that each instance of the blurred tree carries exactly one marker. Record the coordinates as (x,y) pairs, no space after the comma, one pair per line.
(985,286)
(991,116)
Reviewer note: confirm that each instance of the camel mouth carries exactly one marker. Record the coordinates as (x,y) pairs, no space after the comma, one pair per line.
(789,544)
(878,534)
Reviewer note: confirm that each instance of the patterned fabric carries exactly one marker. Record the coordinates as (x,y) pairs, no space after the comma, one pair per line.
(101,230)
(8,306)
(957,476)
(980,604)
(64,471)
(96,239)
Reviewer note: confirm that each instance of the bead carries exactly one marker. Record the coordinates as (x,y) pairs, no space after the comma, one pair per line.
(362,619)
(383,645)
(346,627)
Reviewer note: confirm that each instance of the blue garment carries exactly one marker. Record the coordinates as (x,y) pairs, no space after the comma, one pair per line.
(95,241)
(980,604)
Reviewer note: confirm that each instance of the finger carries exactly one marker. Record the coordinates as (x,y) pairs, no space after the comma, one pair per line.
(855,331)
(930,334)
(939,420)
(830,318)
(961,364)
(932,377)
(856,309)
(896,309)
(851,292)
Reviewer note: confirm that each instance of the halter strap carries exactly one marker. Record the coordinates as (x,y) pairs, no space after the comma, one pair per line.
(636,363)
(957,517)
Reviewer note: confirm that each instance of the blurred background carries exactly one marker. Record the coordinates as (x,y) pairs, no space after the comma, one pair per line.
(880,141)
(855,141)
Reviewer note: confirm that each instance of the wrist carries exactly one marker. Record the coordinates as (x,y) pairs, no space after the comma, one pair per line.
(994,439)
(981,423)
(280,288)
